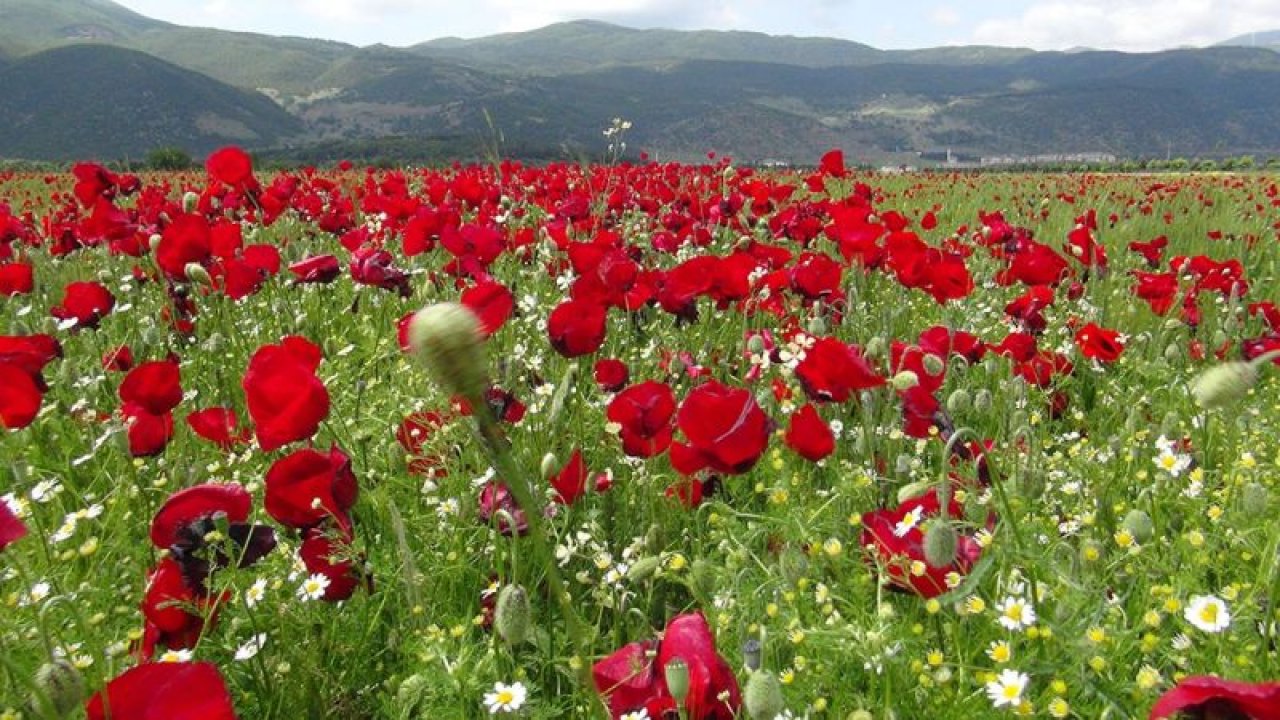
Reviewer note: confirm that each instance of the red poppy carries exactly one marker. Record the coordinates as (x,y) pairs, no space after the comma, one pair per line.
(571,482)
(232,166)
(171,606)
(1098,343)
(286,400)
(644,411)
(896,539)
(492,304)
(816,276)
(413,434)
(316,269)
(307,487)
(611,375)
(809,435)
(497,503)
(16,279)
(149,433)
(577,327)
(329,555)
(633,678)
(85,302)
(1211,697)
(12,528)
(186,240)
(164,691)
(154,386)
(832,371)
(372,266)
(188,507)
(20,397)
(218,425)
(119,359)
(724,426)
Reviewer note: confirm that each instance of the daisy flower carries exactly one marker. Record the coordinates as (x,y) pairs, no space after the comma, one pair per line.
(254,594)
(1007,688)
(505,698)
(1016,613)
(908,522)
(1208,613)
(313,588)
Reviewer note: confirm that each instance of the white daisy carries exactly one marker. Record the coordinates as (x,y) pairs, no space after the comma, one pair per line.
(1007,688)
(505,698)
(908,522)
(1016,613)
(641,714)
(255,593)
(313,588)
(1208,613)
(176,656)
(251,647)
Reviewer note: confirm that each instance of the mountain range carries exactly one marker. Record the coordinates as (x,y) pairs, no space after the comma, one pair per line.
(90,78)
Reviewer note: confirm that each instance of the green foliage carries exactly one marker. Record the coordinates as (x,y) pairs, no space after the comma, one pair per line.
(169,158)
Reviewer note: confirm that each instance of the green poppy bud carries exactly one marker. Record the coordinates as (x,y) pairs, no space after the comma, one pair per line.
(905,380)
(549,466)
(1255,499)
(196,274)
(913,490)
(817,326)
(793,564)
(933,364)
(959,402)
(643,569)
(874,349)
(940,543)
(1139,525)
(702,578)
(676,673)
(154,242)
(1224,384)
(755,344)
(763,696)
(1172,353)
(511,614)
(982,400)
(446,338)
(190,200)
(60,689)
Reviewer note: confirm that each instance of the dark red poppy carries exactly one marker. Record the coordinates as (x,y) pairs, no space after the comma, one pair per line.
(498,505)
(186,240)
(611,375)
(809,435)
(633,678)
(232,166)
(187,508)
(20,397)
(287,402)
(577,327)
(16,279)
(1204,696)
(571,482)
(832,371)
(172,607)
(12,528)
(149,433)
(1098,343)
(372,266)
(896,539)
(329,553)
(413,434)
(153,385)
(492,304)
(218,425)
(308,486)
(816,276)
(644,412)
(30,354)
(85,302)
(316,269)
(164,691)
(119,359)
(725,426)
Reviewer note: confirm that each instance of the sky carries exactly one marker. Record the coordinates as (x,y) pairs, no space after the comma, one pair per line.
(1133,25)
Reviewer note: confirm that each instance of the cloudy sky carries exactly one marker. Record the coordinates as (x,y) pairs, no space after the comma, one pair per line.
(1135,25)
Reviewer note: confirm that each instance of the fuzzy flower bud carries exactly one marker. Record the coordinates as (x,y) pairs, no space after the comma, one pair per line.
(905,380)
(511,614)
(60,689)
(190,201)
(817,326)
(982,400)
(549,465)
(763,696)
(643,569)
(446,338)
(940,542)
(1224,384)
(933,364)
(959,402)
(1139,525)
(197,274)
(1255,499)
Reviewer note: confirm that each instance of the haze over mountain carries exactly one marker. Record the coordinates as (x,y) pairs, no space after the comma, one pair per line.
(82,78)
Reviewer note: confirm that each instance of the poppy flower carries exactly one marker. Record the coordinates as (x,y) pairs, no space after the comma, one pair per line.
(577,327)
(633,678)
(85,302)
(492,303)
(287,402)
(164,691)
(119,359)
(149,433)
(1210,697)
(809,435)
(832,371)
(154,386)
(1098,343)
(896,541)
(308,486)
(496,501)
(218,425)
(183,523)
(231,166)
(16,279)
(20,397)
(12,528)
(186,240)
(644,412)
(725,426)
(173,607)
(323,553)
(570,483)
(413,434)
(316,269)
(372,266)
(611,375)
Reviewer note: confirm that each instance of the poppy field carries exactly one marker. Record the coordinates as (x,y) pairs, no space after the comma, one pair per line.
(638,440)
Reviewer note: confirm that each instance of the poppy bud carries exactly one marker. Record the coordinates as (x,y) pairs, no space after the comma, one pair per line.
(154,242)
(60,688)
(643,569)
(874,348)
(933,364)
(912,490)
(702,578)
(190,201)
(1224,384)
(549,466)
(751,653)
(793,564)
(676,673)
(755,344)
(1220,338)
(1254,499)
(1139,525)
(763,696)
(902,465)
(196,274)
(940,542)
(905,380)
(1172,353)
(446,338)
(511,614)
(817,326)
(982,400)
(959,402)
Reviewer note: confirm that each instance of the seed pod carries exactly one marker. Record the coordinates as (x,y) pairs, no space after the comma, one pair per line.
(676,674)
(763,696)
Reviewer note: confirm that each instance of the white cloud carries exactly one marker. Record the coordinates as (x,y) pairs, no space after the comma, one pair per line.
(1137,25)
(944,15)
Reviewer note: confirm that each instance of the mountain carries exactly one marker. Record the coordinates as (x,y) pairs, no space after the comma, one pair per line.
(98,101)
(32,25)
(1269,39)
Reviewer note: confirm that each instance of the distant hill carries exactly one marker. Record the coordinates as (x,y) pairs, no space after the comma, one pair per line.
(1269,39)
(98,101)
(32,25)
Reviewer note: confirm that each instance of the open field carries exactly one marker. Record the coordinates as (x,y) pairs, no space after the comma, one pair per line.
(926,444)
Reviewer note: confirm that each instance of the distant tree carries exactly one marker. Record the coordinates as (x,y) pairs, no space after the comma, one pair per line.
(1274,163)
(169,158)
